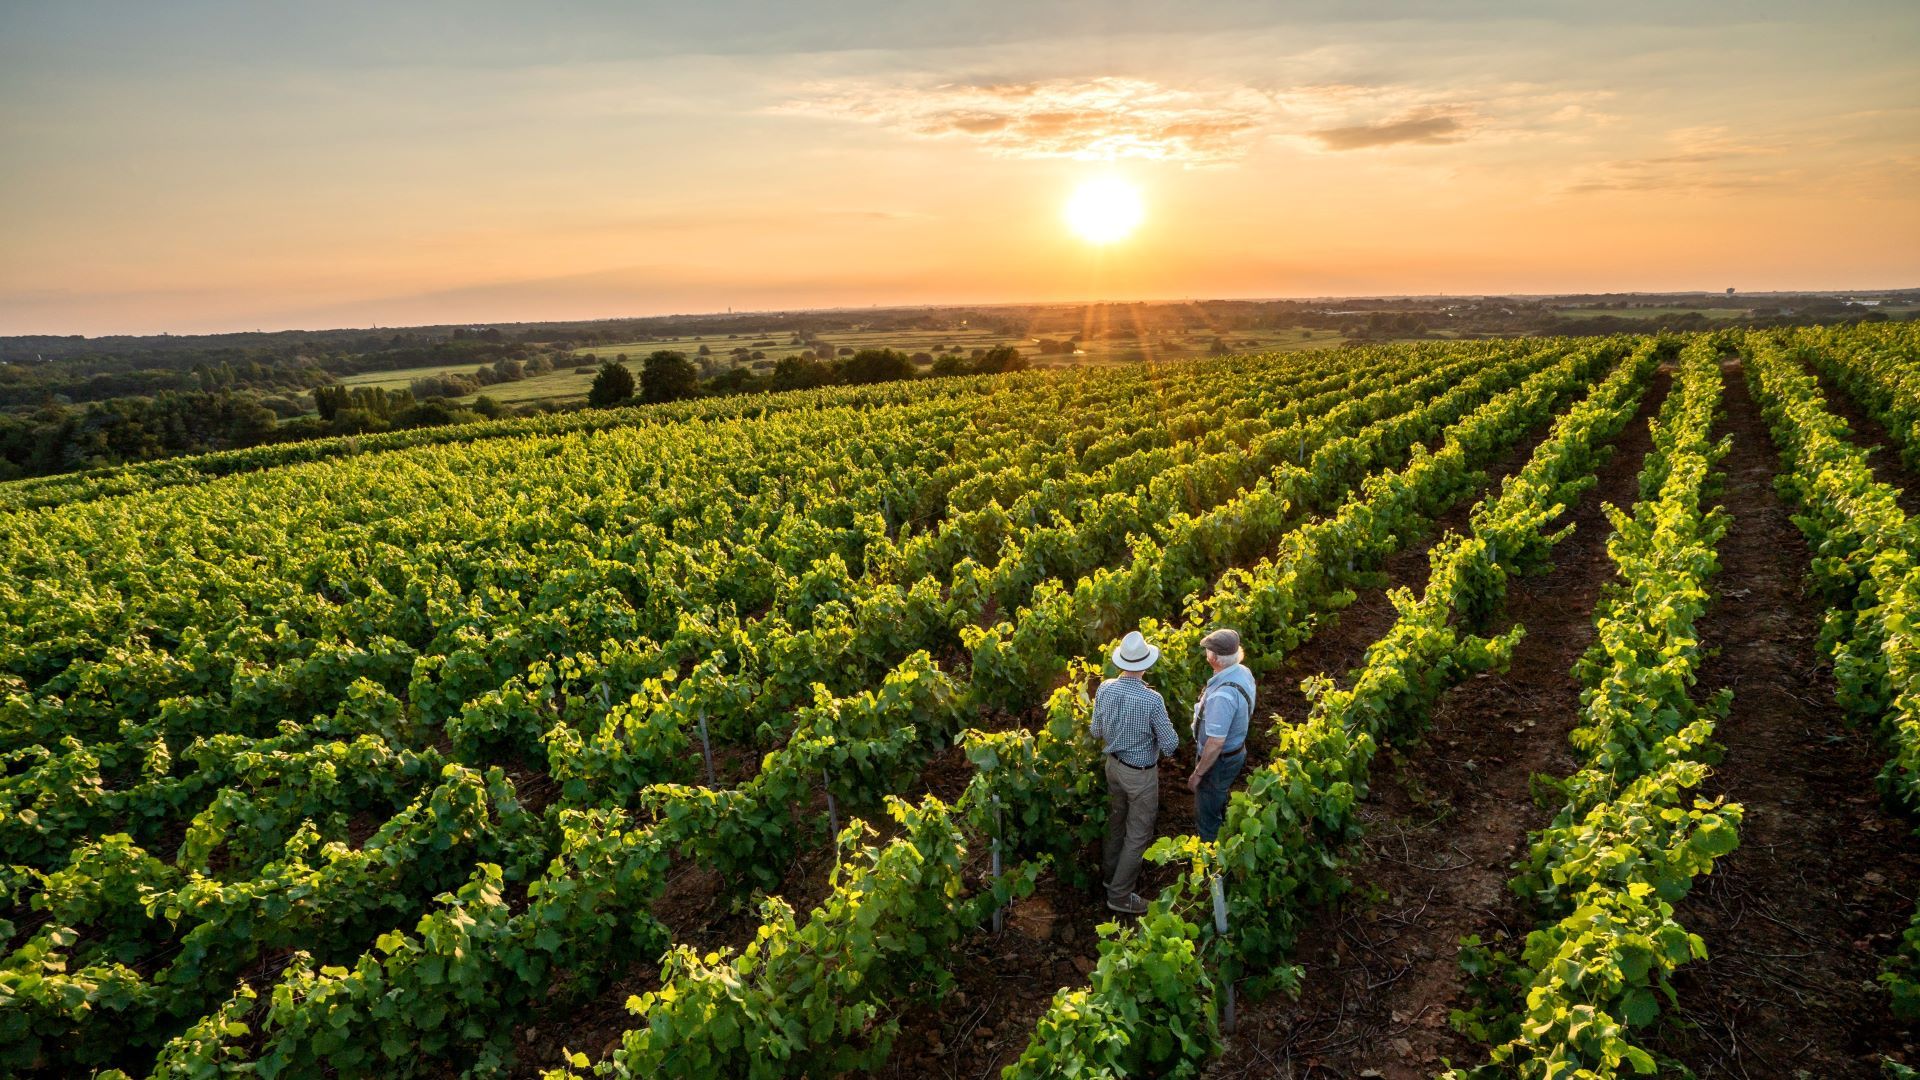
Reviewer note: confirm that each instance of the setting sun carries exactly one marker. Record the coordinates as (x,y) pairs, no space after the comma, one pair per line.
(1104,209)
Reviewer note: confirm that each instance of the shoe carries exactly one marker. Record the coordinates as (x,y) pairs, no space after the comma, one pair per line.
(1132,905)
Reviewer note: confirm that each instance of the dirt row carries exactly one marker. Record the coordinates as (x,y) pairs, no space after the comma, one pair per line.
(1443,823)
(1796,920)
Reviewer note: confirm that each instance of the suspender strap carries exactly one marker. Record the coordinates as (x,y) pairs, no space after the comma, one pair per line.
(1244,696)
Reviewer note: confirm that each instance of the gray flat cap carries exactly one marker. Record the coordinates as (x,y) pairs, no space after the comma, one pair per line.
(1222,642)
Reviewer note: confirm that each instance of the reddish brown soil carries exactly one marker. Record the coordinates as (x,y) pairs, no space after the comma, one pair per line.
(1443,821)
(1797,919)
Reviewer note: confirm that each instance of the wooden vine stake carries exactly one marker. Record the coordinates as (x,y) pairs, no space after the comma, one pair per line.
(1220,927)
(999,913)
(706,749)
(833,813)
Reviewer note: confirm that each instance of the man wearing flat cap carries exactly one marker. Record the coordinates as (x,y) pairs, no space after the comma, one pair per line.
(1220,721)
(1130,718)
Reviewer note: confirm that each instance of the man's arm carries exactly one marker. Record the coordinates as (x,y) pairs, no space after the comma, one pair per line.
(1164,737)
(1209,753)
(1214,716)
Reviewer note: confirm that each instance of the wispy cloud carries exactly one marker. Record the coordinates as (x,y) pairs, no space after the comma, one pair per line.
(1110,118)
(1103,119)
(1702,159)
(1418,127)
(1343,117)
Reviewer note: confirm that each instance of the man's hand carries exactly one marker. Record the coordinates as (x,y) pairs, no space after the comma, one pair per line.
(1203,762)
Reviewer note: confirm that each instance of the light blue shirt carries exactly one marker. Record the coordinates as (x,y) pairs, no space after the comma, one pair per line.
(1224,711)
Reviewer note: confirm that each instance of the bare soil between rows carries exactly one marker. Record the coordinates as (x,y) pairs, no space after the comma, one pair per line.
(1444,821)
(1797,919)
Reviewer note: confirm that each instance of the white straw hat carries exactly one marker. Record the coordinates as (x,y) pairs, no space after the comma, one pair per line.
(1134,654)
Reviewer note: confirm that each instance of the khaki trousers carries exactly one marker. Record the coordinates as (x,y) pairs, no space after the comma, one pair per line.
(1133,800)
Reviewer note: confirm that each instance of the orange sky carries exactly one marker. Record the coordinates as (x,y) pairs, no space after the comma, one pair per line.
(194,167)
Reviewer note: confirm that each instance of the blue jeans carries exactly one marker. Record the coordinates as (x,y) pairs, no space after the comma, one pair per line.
(1210,799)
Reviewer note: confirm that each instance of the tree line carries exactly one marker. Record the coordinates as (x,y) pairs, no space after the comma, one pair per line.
(669,375)
(58,438)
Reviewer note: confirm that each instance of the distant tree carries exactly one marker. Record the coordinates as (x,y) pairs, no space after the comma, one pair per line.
(706,350)
(1000,358)
(448,385)
(374,401)
(612,386)
(1218,347)
(846,350)
(667,376)
(876,365)
(329,400)
(800,373)
(284,407)
(740,380)
(432,414)
(949,364)
(488,407)
(356,422)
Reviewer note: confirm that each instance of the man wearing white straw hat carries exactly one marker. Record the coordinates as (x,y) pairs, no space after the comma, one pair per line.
(1130,717)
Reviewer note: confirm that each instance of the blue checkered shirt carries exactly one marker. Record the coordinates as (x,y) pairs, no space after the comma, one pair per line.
(1132,718)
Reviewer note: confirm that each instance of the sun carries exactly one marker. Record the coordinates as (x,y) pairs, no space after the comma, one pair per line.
(1105,209)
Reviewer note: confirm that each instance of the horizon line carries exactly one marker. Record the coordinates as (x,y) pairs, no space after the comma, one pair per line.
(998,304)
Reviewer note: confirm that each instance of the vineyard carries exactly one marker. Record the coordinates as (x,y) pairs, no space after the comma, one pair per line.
(748,737)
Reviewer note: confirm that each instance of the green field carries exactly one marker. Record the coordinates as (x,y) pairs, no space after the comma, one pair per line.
(561,385)
(1095,351)
(400,378)
(565,386)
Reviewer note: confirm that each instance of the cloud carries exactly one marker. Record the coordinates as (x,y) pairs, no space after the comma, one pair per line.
(1103,119)
(1110,118)
(1432,128)
(1702,160)
(1344,117)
